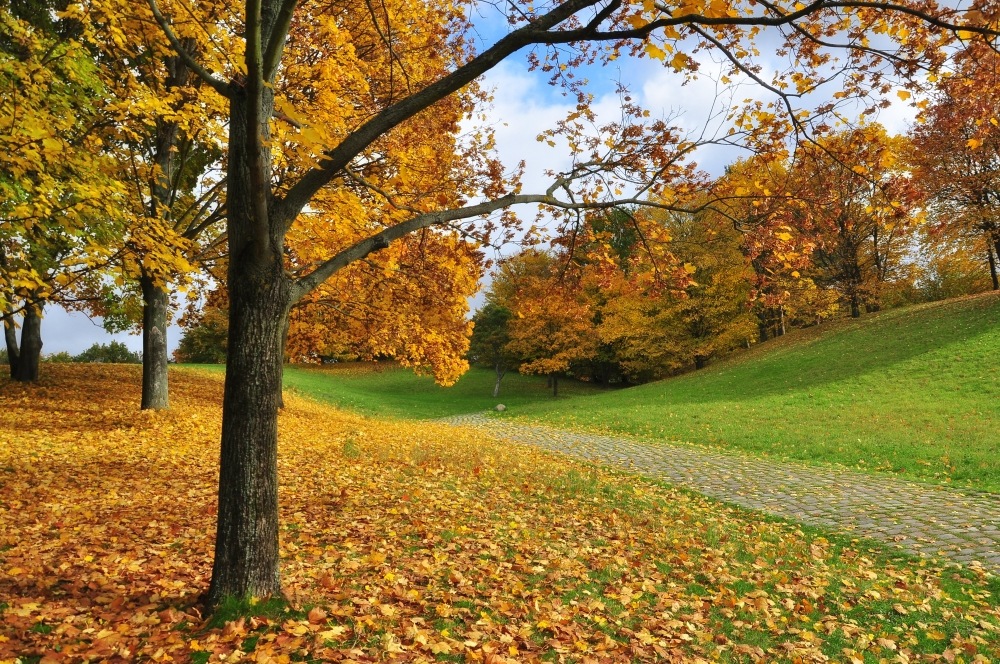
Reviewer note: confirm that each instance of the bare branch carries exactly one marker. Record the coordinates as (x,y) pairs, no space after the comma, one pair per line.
(220,86)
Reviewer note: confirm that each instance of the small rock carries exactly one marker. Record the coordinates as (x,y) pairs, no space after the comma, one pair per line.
(500,408)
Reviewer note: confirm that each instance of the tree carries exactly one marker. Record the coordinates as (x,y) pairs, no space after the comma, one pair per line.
(57,202)
(260,213)
(656,332)
(164,135)
(490,340)
(956,155)
(552,328)
(860,217)
(114,352)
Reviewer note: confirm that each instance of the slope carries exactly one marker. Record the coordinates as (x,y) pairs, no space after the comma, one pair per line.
(911,391)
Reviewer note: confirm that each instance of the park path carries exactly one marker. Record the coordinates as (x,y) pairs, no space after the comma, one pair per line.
(921,518)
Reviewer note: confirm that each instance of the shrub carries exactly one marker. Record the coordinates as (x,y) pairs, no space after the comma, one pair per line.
(112,353)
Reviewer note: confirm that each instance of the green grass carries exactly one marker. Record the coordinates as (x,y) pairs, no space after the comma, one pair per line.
(387,390)
(912,391)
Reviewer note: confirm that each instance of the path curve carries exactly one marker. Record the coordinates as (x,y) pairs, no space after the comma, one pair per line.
(920,518)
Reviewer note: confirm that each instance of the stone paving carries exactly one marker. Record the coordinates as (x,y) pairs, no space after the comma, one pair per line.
(921,518)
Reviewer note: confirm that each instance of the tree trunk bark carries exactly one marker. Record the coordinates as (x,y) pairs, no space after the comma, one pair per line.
(285,324)
(761,328)
(10,337)
(155,300)
(855,306)
(993,267)
(246,543)
(30,351)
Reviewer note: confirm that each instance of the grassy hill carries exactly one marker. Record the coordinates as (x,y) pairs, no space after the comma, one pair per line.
(388,390)
(913,391)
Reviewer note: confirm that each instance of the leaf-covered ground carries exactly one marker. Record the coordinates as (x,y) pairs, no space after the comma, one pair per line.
(411,541)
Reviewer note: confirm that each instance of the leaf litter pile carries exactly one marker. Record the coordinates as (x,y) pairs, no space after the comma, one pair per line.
(406,541)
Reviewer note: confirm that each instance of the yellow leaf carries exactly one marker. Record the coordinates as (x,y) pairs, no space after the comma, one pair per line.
(654,51)
(903,94)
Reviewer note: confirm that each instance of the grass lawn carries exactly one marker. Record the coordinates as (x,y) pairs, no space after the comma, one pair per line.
(912,391)
(412,541)
(387,390)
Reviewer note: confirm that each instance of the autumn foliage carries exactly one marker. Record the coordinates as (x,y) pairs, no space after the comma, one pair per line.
(406,541)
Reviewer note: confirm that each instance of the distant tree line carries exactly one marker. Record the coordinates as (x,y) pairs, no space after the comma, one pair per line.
(114,352)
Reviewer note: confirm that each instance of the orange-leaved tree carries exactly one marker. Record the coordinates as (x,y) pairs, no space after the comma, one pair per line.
(552,324)
(862,218)
(956,155)
(639,151)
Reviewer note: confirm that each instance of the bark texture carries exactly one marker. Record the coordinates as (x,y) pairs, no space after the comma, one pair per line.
(155,392)
(25,357)
(10,338)
(246,545)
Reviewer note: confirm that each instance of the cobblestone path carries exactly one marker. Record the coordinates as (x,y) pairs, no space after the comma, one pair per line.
(920,518)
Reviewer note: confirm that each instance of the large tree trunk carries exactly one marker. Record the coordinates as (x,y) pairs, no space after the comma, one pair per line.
(246,544)
(30,349)
(155,395)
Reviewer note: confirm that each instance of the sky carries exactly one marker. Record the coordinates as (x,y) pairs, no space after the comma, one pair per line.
(524,105)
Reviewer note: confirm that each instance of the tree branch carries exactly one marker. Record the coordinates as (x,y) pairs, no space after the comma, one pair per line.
(288,207)
(220,86)
(276,44)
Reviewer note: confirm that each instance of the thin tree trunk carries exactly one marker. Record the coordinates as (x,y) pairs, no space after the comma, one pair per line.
(30,355)
(993,266)
(855,306)
(501,372)
(155,300)
(555,385)
(761,328)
